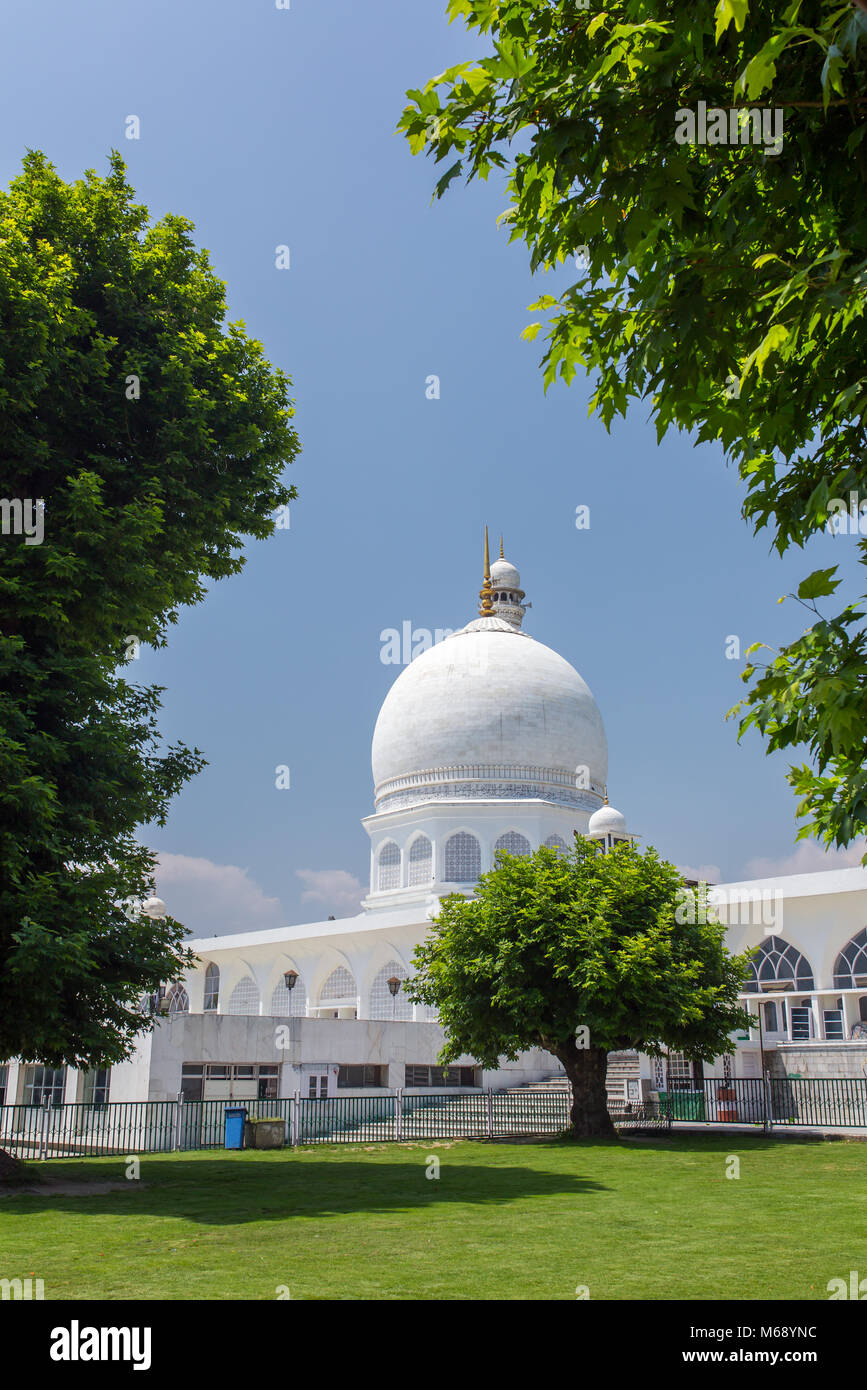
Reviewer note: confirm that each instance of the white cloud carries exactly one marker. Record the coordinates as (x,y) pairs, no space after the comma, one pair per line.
(705,873)
(808,858)
(214,899)
(339,892)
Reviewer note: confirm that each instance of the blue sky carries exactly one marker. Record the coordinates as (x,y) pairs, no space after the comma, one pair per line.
(275,127)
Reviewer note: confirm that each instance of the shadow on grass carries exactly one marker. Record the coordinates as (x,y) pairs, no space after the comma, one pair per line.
(231,1189)
(248,1187)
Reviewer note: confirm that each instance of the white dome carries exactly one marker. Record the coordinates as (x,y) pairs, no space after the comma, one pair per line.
(607,821)
(489,713)
(504,575)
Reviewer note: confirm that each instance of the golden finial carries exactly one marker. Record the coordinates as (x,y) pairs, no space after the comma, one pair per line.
(502,556)
(486,610)
(606,795)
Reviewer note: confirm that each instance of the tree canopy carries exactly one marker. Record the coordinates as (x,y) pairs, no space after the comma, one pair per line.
(154,434)
(553,943)
(722,282)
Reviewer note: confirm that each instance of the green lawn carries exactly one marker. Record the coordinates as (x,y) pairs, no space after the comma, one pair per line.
(644,1218)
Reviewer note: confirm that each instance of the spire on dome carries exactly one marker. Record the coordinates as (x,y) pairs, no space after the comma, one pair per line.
(506,593)
(486,609)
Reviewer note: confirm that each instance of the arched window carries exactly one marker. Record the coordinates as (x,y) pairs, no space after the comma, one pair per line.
(850,968)
(212,988)
(420,861)
(770,1017)
(244,998)
(289,1003)
(776,962)
(513,843)
(339,985)
(179,1000)
(555,842)
(389,866)
(383,1004)
(463,858)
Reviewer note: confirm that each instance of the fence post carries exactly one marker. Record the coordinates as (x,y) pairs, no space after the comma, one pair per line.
(490,1100)
(768,1115)
(43,1127)
(294,1125)
(398,1113)
(177,1120)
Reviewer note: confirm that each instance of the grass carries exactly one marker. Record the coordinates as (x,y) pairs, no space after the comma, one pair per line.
(643,1218)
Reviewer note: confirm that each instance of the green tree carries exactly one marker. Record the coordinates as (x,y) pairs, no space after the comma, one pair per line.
(155,435)
(552,944)
(723,283)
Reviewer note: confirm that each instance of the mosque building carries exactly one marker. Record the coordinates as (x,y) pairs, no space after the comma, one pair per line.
(487,740)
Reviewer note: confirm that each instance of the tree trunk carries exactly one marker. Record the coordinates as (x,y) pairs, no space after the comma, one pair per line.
(586,1068)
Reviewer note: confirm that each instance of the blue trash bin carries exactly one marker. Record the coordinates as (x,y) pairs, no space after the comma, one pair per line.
(235,1116)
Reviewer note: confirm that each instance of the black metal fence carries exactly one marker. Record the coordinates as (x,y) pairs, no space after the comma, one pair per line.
(134,1127)
(810,1102)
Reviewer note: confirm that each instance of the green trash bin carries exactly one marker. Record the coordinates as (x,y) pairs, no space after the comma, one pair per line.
(685,1105)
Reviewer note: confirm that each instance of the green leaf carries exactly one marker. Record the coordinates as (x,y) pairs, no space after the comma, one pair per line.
(728,12)
(818,584)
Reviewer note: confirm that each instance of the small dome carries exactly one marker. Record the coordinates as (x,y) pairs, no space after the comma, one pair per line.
(154,908)
(504,575)
(607,821)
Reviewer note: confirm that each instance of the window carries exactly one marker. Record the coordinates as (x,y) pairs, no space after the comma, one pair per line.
(229,1080)
(851,964)
(680,1077)
(389,866)
(770,1018)
(555,842)
(244,998)
(384,1005)
(424,1077)
(833,1024)
(776,962)
(513,843)
(420,861)
(94,1090)
(267,1082)
(801,1016)
(289,1003)
(212,988)
(44,1085)
(192,1081)
(179,1000)
(463,858)
(359,1077)
(339,985)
